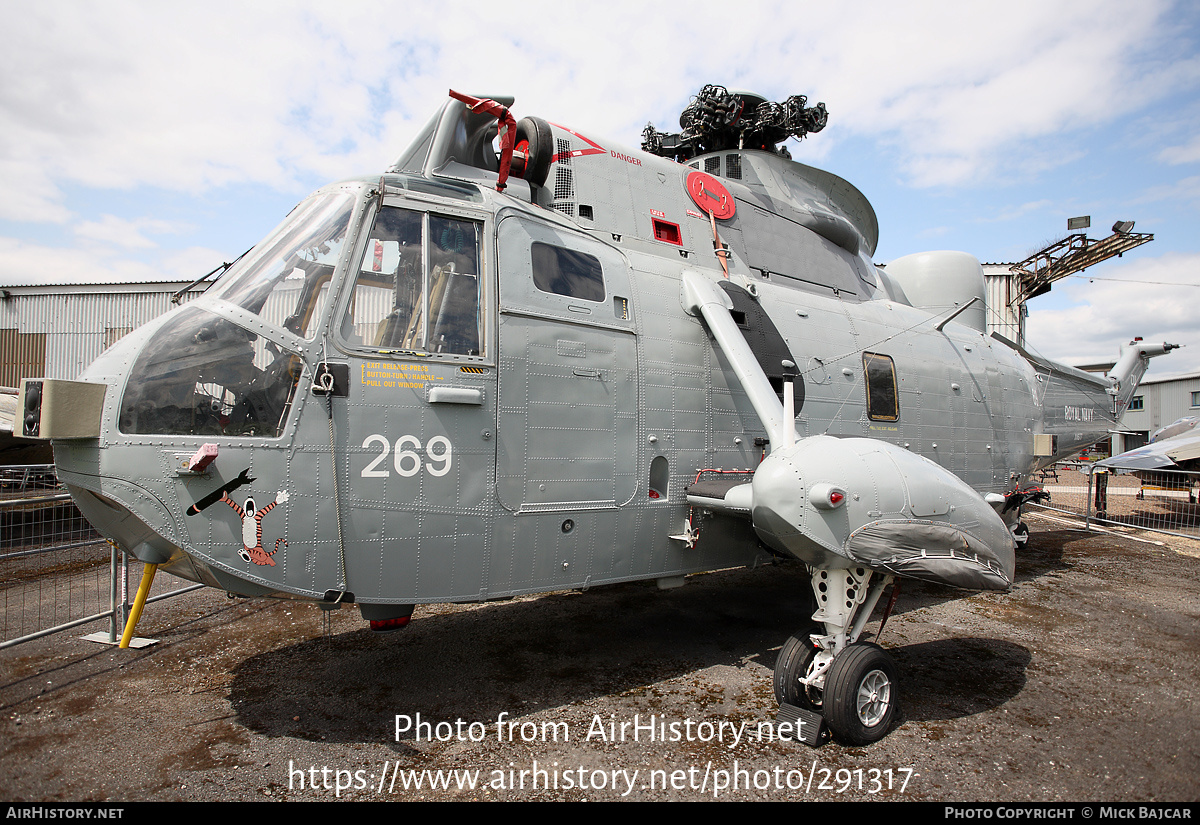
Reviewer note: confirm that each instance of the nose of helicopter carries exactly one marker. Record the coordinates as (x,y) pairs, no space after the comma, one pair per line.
(102,481)
(124,476)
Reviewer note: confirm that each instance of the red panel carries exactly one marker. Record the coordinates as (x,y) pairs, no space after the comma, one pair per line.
(667,232)
(710,195)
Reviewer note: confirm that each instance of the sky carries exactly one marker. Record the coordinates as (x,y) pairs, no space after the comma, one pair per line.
(147,140)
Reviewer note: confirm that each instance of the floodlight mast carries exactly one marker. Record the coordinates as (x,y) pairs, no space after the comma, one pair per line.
(1072,254)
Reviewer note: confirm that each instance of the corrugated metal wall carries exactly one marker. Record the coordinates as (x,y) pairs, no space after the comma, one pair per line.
(1176,397)
(1001,317)
(70,328)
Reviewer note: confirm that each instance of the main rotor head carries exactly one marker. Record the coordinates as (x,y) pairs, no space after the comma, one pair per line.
(718,120)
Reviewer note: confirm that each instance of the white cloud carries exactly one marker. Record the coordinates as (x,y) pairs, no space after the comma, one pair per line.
(23,263)
(28,194)
(1186,153)
(127,234)
(123,94)
(1155,298)
(1184,189)
(1012,213)
(953,85)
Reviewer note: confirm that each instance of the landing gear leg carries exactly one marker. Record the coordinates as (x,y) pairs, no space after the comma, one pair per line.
(852,684)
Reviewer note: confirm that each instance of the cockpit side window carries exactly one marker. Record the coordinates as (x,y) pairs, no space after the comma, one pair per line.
(417,287)
(202,374)
(883,402)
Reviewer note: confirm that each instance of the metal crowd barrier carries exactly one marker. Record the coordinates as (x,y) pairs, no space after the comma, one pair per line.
(53,571)
(1163,501)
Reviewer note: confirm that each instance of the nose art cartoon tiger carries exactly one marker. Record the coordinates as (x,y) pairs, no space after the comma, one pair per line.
(252,549)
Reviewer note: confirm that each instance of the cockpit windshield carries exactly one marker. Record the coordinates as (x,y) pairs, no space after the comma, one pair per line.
(202,374)
(286,281)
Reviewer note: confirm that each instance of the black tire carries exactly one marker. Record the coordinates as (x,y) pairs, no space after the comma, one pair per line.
(794,660)
(536,132)
(861,699)
(1021,534)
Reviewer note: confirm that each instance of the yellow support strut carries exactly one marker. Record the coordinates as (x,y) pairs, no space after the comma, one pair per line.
(138,603)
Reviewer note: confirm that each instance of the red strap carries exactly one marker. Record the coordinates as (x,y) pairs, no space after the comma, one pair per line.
(508,129)
(888,610)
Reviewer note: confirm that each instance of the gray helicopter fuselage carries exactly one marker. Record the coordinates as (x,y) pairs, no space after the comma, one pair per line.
(519,396)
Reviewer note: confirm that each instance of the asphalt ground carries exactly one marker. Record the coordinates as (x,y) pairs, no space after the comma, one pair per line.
(1079,684)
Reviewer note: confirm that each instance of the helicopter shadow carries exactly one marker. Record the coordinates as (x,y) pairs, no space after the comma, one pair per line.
(1044,553)
(527,656)
(958,677)
(520,656)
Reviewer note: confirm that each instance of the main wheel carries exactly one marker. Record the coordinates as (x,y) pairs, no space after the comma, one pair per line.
(793,664)
(1020,534)
(860,694)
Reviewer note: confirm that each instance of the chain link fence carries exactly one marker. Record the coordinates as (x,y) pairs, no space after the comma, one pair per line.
(1164,501)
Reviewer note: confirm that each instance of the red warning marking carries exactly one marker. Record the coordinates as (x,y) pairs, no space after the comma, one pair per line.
(596,149)
(710,195)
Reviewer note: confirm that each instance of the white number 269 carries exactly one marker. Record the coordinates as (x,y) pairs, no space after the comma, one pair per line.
(406,460)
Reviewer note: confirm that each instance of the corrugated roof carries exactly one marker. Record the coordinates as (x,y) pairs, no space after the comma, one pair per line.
(1163,379)
(52,280)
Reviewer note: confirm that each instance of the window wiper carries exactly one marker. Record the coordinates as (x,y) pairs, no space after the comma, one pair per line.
(175,299)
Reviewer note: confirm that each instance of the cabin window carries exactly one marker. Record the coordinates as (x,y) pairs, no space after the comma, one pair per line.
(567,272)
(659,478)
(418,286)
(883,401)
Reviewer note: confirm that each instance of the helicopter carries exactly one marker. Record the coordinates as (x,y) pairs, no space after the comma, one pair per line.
(563,363)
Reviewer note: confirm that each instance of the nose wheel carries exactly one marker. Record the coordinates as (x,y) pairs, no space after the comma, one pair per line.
(859,698)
